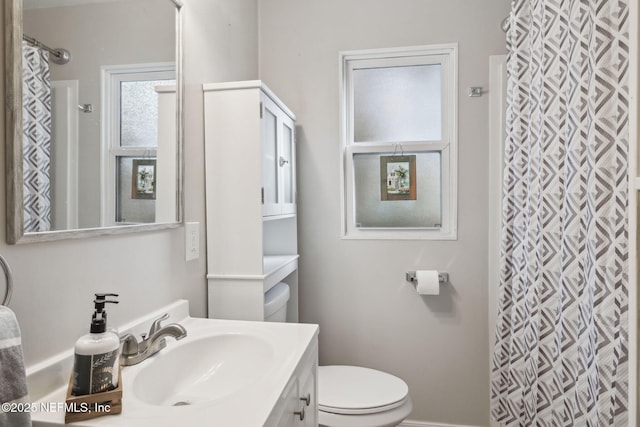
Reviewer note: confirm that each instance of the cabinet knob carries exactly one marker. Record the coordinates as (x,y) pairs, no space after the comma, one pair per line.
(306,399)
(283,161)
(300,413)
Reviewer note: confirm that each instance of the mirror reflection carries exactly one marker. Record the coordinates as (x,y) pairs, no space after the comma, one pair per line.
(99,146)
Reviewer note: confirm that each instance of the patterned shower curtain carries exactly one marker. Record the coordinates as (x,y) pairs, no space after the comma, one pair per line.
(561,354)
(36,120)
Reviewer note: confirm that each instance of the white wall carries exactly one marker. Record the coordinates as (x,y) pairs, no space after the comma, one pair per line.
(55,281)
(355,290)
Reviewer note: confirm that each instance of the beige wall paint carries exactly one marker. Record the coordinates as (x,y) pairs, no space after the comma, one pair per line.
(355,290)
(55,281)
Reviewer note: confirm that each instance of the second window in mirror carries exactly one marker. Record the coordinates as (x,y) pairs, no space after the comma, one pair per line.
(133,151)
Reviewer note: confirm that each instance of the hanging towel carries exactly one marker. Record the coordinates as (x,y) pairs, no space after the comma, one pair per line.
(13,380)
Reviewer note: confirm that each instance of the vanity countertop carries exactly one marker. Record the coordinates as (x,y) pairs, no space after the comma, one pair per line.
(247,399)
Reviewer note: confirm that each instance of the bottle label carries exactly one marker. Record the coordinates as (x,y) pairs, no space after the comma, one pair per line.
(95,373)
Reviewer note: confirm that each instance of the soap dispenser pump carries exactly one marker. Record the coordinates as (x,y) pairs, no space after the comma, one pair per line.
(96,361)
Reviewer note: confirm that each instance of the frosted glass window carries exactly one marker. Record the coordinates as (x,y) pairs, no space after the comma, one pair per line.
(399,143)
(139,112)
(373,211)
(397,104)
(130,123)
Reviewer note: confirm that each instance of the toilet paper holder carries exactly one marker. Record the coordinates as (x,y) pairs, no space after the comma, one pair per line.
(442,277)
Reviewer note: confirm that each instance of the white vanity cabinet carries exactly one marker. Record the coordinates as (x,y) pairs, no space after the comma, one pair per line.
(250,199)
(298,406)
(308,396)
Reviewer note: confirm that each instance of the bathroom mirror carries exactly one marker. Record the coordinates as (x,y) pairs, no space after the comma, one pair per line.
(93,117)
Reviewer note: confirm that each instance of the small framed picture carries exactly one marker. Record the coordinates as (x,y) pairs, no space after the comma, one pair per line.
(143,179)
(398,178)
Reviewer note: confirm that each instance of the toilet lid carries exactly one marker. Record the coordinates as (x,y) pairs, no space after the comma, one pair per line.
(357,390)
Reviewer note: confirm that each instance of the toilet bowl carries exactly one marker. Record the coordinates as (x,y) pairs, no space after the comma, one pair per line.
(353,396)
(275,303)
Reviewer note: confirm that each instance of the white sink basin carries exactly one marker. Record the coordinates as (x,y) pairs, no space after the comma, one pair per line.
(204,370)
(223,373)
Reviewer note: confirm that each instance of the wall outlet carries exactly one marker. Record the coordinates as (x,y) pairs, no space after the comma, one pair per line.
(192,240)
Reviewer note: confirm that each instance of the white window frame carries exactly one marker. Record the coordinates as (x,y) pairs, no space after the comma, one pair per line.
(111,76)
(447,56)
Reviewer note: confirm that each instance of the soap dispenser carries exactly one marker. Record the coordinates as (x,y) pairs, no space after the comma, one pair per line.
(96,361)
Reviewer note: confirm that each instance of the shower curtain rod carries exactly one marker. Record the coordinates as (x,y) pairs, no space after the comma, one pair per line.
(60,56)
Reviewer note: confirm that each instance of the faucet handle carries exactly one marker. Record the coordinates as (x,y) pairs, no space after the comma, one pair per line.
(129,345)
(155,326)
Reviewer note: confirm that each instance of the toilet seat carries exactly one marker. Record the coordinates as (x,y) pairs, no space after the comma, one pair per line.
(354,390)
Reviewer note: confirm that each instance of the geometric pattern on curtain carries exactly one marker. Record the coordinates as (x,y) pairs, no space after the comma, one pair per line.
(36,120)
(561,353)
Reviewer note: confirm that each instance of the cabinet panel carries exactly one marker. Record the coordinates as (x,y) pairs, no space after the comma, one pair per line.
(250,200)
(298,405)
(288,166)
(278,160)
(308,396)
(270,151)
(288,417)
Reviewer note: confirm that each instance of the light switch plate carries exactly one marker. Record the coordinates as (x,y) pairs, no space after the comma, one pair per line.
(192,240)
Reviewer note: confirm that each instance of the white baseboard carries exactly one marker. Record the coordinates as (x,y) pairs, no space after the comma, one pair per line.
(409,423)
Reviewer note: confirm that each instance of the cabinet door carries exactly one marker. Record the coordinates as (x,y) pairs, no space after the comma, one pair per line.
(270,169)
(278,160)
(290,406)
(308,396)
(287,163)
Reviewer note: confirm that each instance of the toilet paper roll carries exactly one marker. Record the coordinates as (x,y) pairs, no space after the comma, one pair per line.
(428,283)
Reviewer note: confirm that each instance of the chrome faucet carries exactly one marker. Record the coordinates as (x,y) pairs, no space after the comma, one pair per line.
(134,352)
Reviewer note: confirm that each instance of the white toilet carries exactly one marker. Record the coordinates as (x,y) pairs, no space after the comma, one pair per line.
(275,303)
(352,396)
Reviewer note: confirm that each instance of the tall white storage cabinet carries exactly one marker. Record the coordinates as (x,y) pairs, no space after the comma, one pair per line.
(250,198)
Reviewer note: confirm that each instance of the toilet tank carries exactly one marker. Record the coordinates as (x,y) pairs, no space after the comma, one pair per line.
(275,303)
